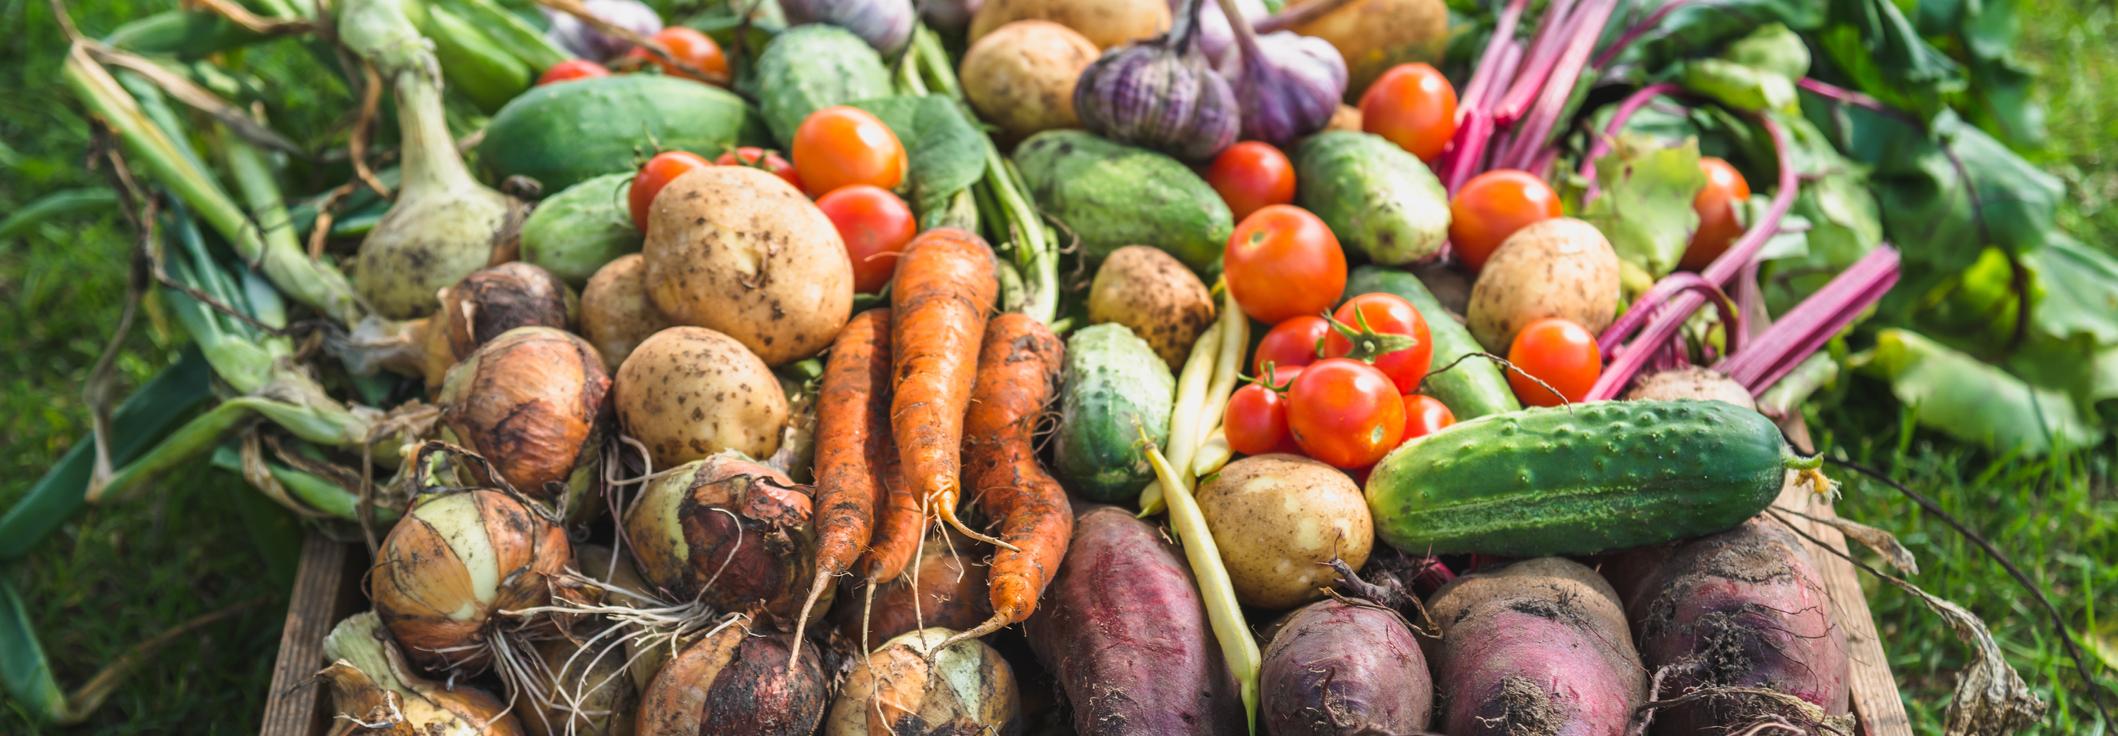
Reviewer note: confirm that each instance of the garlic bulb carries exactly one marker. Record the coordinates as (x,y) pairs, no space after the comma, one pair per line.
(1286,84)
(1160,93)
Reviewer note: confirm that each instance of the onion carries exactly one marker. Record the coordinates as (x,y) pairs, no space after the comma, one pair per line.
(491,301)
(533,403)
(736,681)
(585,41)
(450,568)
(372,688)
(909,687)
(727,532)
(586,691)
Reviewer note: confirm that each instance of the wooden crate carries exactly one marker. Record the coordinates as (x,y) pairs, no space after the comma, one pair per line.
(327,588)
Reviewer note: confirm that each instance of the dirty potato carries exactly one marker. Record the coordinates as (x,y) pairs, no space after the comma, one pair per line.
(689,392)
(1284,517)
(615,313)
(1150,292)
(1561,267)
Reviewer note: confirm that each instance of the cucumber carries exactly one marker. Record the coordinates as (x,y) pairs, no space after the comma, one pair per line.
(1379,200)
(810,67)
(1473,388)
(1114,387)
(564,134)
(1112,195)
(1581,479)
(573,233)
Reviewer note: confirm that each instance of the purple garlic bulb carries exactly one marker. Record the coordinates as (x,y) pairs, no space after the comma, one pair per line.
(1286,84)
(884,24)
(949,16)
(1161,94)
(1216,37)
(585,41)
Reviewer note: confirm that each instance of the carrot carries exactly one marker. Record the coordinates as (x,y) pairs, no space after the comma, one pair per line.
(1018,374)
(851,434)
(944,288)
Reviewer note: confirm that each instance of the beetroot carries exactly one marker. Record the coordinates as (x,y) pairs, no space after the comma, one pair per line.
(1536,648)
(1339,667)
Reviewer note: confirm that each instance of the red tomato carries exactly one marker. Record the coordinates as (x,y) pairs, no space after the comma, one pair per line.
(1716,205)
(842,146)
(1425,415)
(1414,106)
(1559,353)
(1290,345)
(688,46)
(1250,175)
(658,172)
(1384,314)
(1345,412)
(1283,262)
(1256,421)
(570,70)
(1492,206)
(876,225)
(759,158)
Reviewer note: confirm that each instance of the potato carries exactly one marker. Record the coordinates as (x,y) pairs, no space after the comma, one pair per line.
(1021,76)
(1105,23)
(1375,35)
(615,313)
(689,392)
(1346,118)
(1280,519)
(739,250)
(1149,291)
(1561,267)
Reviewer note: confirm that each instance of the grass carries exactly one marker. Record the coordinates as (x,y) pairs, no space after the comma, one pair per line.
(124,572)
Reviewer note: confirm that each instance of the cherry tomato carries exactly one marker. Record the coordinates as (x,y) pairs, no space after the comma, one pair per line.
(761,158)
(1425,415)
(1256,421)
(1250,175)
(842,146)
(688,46)
(1345,412)
(1559,353)
(1290,345)
(876,225)
(1414,106)
(658,172)
(1283,262)
(1716,205)
(1385,314)
(1492,206)
(570,70)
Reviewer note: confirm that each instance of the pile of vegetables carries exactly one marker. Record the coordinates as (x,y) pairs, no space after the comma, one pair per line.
(884,367)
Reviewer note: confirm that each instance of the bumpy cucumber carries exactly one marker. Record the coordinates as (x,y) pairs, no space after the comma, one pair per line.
(1580,479)
(1115,387)
(1111,195)
(1471,388)
(564,134)
(810,67)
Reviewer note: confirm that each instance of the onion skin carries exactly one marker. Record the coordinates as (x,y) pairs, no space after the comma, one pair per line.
(423,585)
(492,301)
(607,710)
(729,532)
(533,402)
(736,682)
(908,687)
(369,681)
(951,594)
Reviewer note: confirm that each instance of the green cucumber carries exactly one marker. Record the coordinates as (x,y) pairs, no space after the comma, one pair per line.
(1112,195)
(573,233)
(1379,200)
(1581,479)
(1114,388)
(810,67)
(1471,388)
(564,134)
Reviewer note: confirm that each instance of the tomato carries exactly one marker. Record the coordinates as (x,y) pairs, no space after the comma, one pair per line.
(689,46)
(1425,415)
(1290,345)
(759,158)
(1559,353)
(1283,262)
(842,146)
(1256,421)
(570,70)
(1716,204)
(876,225)
(1384,314)
(658,172)
(1492,206)
(1345,412)
(1414,106)
(1250,175)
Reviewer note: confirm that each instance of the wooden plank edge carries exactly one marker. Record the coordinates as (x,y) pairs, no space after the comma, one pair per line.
(323,585)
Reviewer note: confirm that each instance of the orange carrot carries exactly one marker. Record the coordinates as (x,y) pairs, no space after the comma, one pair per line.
(1018,374)
(851,434)
(944,288)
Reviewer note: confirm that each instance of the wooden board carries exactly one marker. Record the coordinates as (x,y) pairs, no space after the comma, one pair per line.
(326,589)
(1875,698)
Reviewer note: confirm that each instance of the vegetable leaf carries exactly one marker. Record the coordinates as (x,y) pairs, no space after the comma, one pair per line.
(2080,291)
(1872,43)
(1645,208)
(947,152)
(1757,72)
(1957,395)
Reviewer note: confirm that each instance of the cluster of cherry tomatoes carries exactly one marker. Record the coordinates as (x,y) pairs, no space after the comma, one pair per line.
(846,158)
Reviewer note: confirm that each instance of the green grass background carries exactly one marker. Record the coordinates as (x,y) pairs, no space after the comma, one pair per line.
(122,572)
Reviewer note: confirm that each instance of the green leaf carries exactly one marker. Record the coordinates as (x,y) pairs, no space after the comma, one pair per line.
(1872,43)
(1757,72)
(947,152)
(2079,289)
(24,670)
(54,205)
(1951,190)
(1645,208)
(1704,28)
(1957,395)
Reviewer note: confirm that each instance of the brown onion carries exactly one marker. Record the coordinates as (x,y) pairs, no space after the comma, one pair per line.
(910,687)
(533,403)
(587,691)
(951,594)
(736,681)
(728,532)
(453,564)
(373,689)
(489,302)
